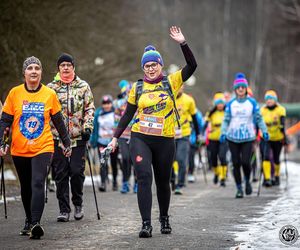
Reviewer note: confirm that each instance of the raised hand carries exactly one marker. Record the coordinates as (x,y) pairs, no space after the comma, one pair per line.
(176,34)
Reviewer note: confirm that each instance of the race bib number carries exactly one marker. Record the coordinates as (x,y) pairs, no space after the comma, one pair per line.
(151,125)
(32,120)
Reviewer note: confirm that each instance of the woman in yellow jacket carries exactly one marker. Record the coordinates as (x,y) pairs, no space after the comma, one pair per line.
(214,119)
(274,117)
(152,134)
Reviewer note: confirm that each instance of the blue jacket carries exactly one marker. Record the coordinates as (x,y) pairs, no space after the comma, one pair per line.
(200,121)
(242,116)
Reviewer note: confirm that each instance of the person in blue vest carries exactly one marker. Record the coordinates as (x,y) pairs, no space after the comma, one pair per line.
(104,122)
(242,115)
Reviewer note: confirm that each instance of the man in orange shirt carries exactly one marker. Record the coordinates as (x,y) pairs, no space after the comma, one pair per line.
(28,109)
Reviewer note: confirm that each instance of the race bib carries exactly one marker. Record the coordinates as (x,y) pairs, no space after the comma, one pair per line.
(32,120)
(151,125)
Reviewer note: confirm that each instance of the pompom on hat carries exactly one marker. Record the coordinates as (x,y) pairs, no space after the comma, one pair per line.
(106,99)
(124,85)
(271,94)
(151,55)
(240,80)
(219,98)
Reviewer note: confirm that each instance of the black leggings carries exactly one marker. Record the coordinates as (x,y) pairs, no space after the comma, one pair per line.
(216,150)
(266,147)
(241,156)
(32,172)
(145,151)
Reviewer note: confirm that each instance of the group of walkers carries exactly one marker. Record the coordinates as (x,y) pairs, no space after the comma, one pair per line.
(151,124)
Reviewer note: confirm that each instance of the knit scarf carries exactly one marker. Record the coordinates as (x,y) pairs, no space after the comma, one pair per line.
(157,80)
(67,79)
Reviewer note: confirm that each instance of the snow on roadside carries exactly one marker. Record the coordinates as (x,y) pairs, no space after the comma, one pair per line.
(9,175)
(263,232)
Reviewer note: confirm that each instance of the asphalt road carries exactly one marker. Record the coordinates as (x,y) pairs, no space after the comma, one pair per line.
(204,217)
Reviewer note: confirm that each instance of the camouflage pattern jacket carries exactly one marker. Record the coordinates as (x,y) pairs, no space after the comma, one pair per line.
(78,107)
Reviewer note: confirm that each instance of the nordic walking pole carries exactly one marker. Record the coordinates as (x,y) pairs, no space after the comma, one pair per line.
(89,163)
(203,166)
(3,187)
(286,167)
(4,145)
(259,180)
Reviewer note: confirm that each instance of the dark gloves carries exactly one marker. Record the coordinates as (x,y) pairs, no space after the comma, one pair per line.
(86,134)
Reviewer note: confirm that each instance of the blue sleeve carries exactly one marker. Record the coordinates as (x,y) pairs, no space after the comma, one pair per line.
(227,118)
(258,120)
(94,136)
(199,118)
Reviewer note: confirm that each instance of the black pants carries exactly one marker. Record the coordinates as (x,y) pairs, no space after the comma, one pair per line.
(267,147)
(66,172)
(217,150)
(241,156)
(113,162)
(32,173)
(145,151)
(193,151)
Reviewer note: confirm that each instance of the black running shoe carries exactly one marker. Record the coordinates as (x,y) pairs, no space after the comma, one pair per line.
(222,183)
(146,231)
(248,188)
(165,227)
(26,229)
(115,186)
(239,194)
(216,179)
(102,188)
(36,231)
(277,181)
(268,183)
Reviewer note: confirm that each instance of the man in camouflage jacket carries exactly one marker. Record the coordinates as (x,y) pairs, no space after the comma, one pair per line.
(78,109)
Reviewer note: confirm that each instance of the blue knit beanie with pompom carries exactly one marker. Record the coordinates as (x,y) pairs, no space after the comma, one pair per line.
(151,55)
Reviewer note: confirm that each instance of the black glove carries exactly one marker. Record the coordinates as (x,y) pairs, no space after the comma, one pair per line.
(86,134)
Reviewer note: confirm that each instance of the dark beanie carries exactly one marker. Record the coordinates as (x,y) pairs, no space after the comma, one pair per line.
(65,58)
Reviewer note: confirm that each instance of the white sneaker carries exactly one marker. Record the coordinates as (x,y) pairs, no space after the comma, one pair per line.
(191,178)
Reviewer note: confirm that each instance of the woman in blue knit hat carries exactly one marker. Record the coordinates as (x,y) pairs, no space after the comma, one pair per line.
(153,131)
(242,116)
